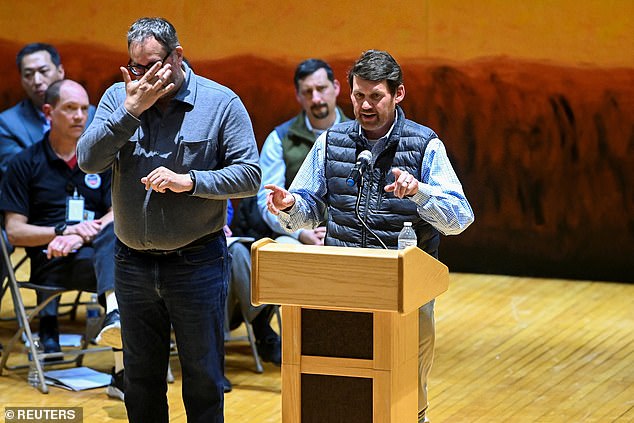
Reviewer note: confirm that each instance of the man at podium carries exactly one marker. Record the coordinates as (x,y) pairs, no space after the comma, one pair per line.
(370,175)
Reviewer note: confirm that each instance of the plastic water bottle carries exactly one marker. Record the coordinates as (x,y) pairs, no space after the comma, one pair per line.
(34,377)
(407,236)
(93,318)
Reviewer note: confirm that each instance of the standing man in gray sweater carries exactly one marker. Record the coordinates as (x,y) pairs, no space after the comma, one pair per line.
(179,146)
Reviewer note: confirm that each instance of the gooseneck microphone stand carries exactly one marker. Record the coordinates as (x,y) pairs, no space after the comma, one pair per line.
(356,212)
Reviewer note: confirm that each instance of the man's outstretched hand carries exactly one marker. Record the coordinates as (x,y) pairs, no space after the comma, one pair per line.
(278,199)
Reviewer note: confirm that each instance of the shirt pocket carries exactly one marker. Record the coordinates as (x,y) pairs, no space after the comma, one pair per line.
(196,154)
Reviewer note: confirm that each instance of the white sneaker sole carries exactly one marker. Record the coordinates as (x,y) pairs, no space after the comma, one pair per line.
(110,336)
(114,392)
(170,375)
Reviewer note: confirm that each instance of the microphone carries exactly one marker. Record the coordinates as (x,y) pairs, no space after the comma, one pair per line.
(363,161)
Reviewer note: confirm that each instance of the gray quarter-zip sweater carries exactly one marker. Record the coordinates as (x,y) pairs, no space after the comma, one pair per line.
(205,129)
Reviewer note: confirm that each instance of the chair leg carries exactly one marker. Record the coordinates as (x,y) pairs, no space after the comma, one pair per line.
(5,286)
(73,310)
(7,282)
(25,328)
(35,356)
(254,348)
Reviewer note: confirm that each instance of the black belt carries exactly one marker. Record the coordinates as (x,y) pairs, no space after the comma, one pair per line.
(192,246)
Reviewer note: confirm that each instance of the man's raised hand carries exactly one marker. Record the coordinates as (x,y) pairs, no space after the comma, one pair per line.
(278,199)
(142,93)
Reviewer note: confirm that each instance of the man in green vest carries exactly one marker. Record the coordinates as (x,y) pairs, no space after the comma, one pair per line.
(286,147)
(283,152)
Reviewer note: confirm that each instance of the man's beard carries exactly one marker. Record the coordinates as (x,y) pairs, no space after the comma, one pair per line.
(320,111)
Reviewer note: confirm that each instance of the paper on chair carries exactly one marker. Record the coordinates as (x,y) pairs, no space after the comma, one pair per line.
(233,239)
(76,378)
(65,339)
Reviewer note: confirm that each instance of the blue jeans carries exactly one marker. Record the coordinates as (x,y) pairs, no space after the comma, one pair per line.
(184,290)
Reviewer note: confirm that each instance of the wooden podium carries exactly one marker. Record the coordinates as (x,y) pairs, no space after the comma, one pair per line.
(349,328)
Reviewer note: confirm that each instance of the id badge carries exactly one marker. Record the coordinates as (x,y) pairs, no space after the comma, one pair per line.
(74,209)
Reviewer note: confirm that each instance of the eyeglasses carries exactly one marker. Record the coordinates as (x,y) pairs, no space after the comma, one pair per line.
(139,70)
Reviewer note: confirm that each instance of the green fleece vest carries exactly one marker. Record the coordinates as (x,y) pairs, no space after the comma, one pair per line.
(297,140)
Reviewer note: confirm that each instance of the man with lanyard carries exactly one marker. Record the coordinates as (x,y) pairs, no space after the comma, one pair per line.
(409,178)
(24,124)
(63,218)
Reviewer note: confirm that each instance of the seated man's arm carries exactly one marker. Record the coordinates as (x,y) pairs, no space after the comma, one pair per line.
(23,234)
(8,149)
(11,143)
(106,218)
(89,229)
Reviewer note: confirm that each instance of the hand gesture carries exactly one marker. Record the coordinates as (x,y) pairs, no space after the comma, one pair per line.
(161,179)
(142,93)
(63,245)
(404,184)
(278,199)
(87,230)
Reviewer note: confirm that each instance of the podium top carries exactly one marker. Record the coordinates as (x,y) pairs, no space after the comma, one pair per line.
(359,279)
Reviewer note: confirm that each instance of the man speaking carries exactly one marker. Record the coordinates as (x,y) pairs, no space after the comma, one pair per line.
(409,179)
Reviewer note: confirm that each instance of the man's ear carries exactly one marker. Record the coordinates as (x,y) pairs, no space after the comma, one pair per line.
(400,93)
(179,54)
(60,70)
(47,109)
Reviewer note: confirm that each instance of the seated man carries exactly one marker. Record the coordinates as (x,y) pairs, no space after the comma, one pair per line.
(63,218)
(286,147)
(250,224)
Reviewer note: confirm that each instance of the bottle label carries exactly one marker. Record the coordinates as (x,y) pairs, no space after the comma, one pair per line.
(403,243)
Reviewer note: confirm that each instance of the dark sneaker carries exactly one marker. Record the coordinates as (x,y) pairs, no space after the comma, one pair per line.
(51,346)
(49,337)
(226,384)
(116,389)
(110,335)
(270,349)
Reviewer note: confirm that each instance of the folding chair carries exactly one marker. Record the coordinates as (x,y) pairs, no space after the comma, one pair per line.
(250,336)
(72,311)
(229,337)
(3,275)
(24,319)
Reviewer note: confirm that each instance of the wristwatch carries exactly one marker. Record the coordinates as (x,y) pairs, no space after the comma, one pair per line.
(60,228)
(192,176)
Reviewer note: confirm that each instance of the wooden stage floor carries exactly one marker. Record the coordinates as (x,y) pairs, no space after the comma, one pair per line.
(509,349)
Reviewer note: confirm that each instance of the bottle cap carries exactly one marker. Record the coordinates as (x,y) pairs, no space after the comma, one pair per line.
(407,223)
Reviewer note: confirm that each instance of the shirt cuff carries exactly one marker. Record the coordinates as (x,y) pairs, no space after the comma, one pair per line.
(285,218)
(422,195)
(192,176)
(126,118)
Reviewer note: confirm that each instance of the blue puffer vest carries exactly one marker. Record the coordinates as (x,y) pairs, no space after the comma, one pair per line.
(383,212)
